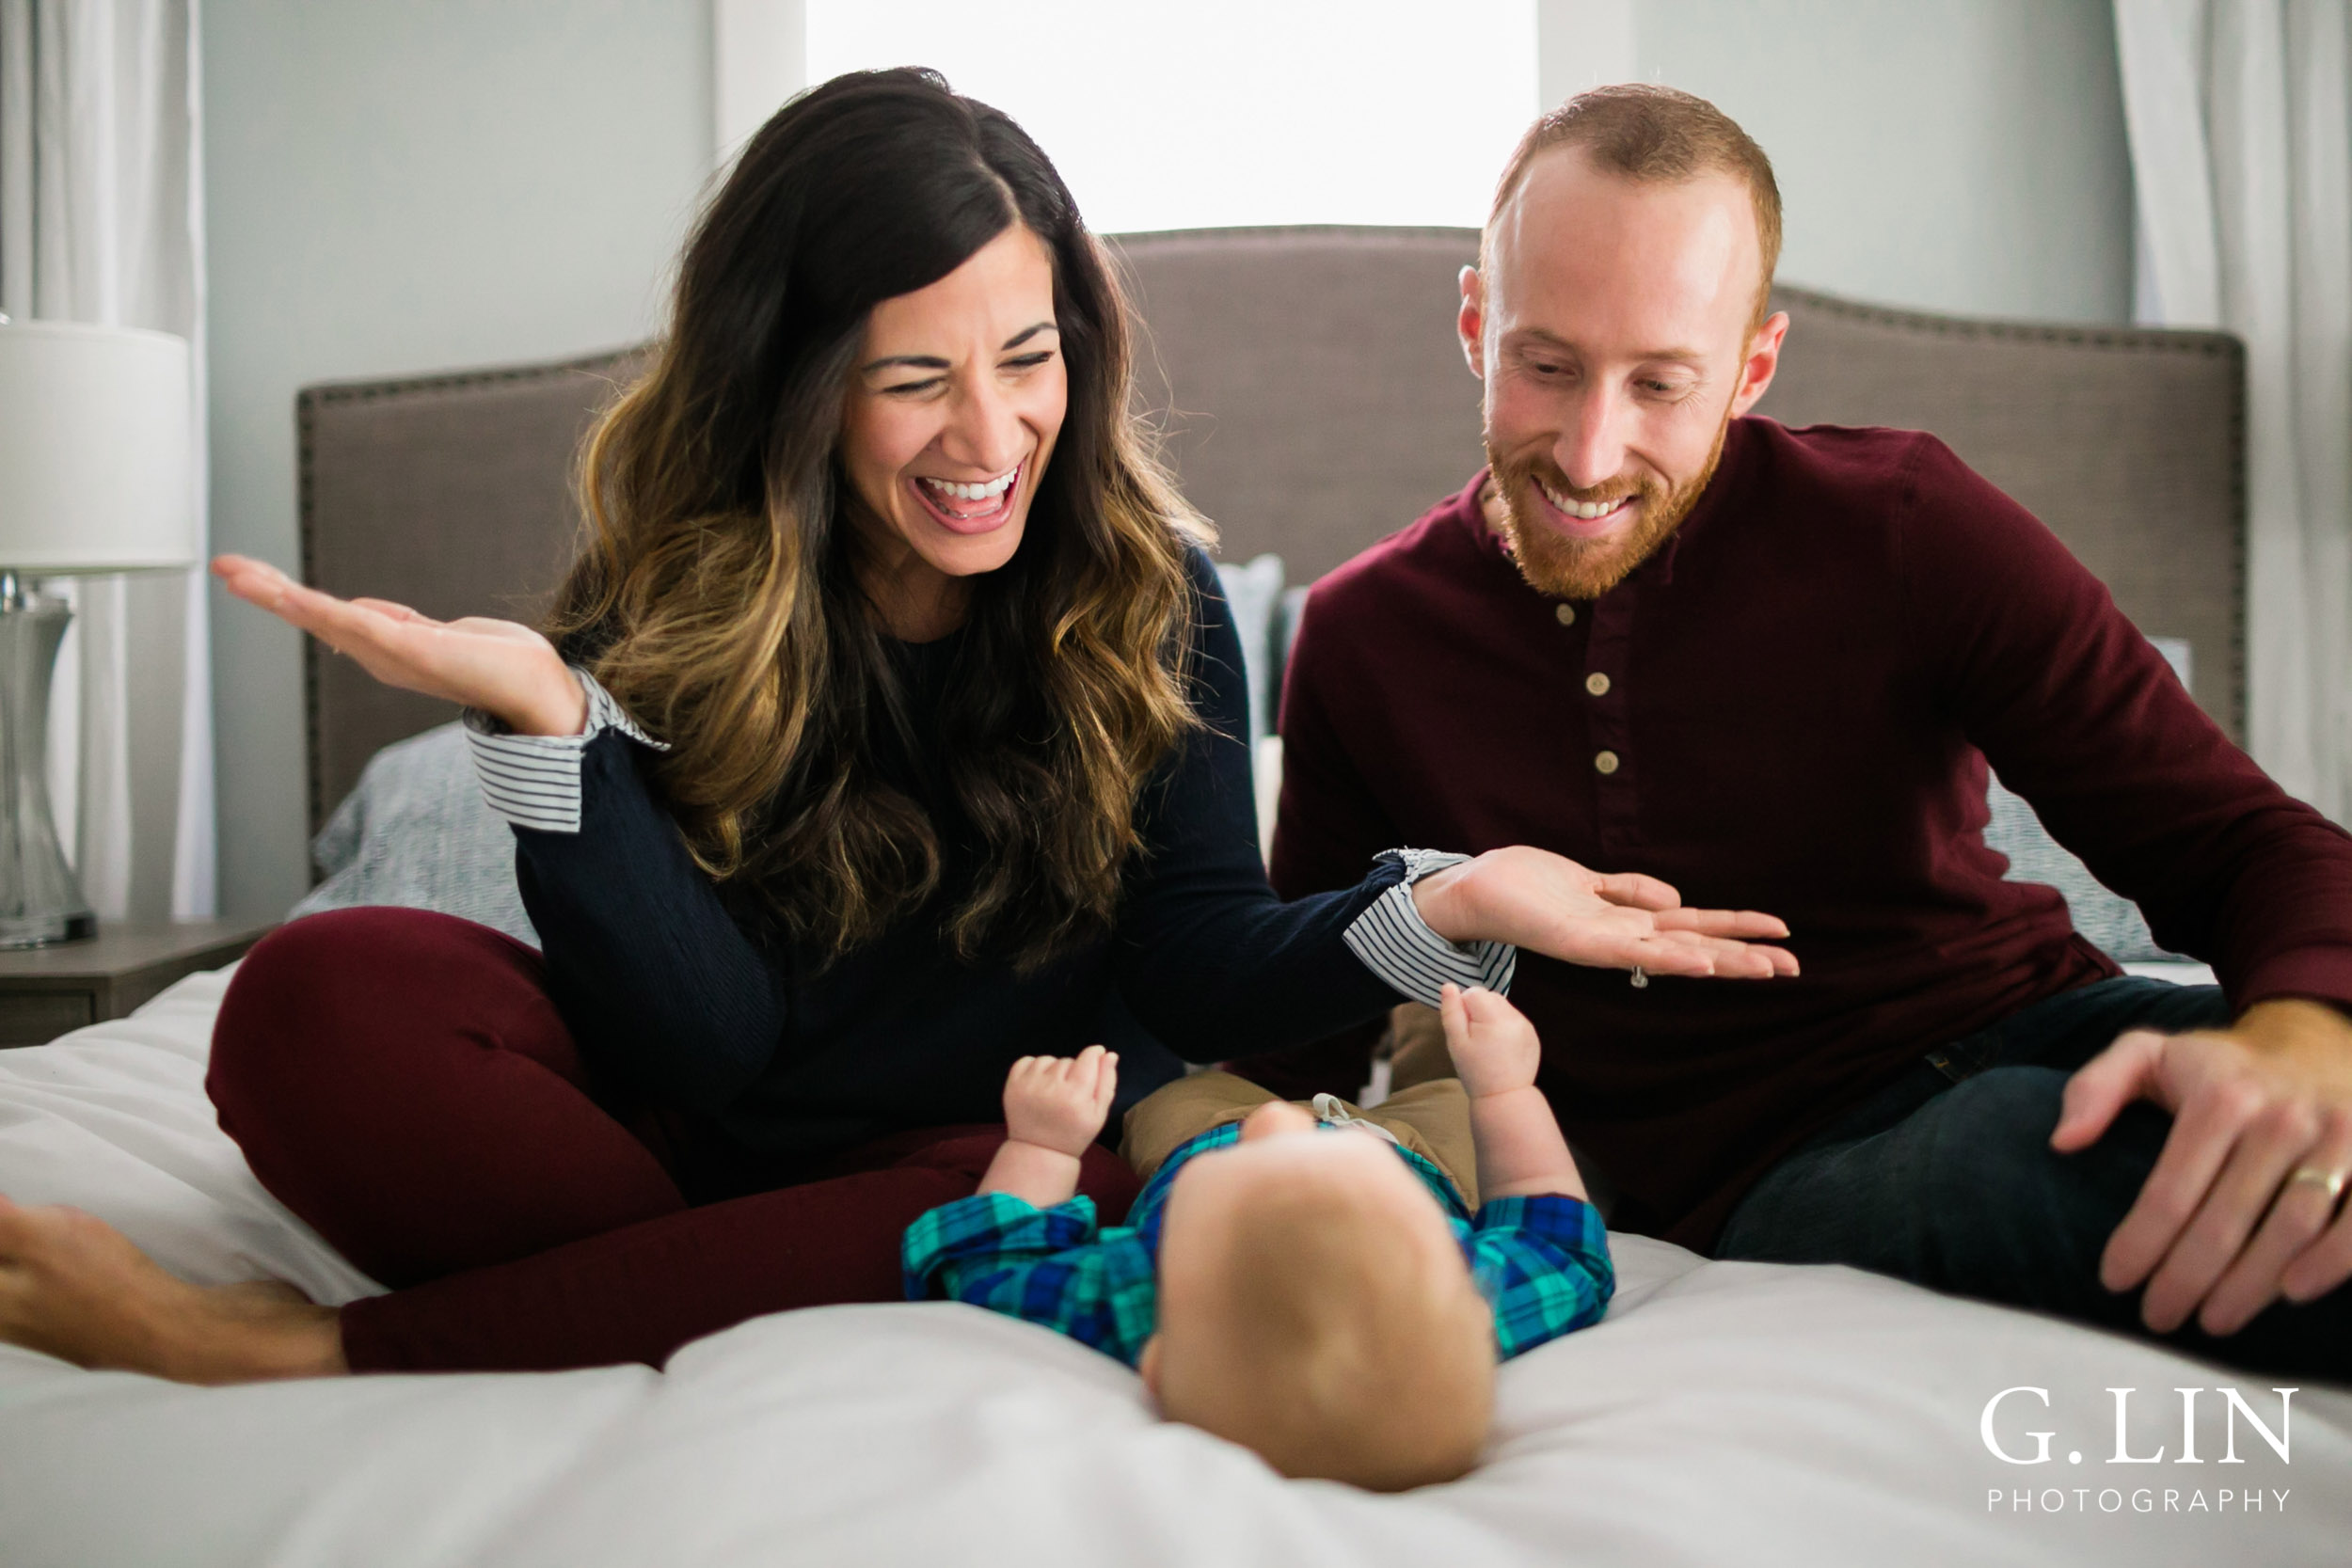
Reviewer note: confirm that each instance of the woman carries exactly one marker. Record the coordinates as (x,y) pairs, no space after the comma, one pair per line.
(887,735)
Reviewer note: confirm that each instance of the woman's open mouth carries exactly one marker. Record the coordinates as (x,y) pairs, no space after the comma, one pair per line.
(969,508)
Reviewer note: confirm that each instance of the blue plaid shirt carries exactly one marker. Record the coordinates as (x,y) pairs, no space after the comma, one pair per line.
(1542,1260)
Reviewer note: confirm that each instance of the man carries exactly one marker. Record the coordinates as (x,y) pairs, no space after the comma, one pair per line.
(1768,666)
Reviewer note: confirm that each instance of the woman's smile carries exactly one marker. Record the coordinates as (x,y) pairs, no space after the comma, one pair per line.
(970,506)
(949,424)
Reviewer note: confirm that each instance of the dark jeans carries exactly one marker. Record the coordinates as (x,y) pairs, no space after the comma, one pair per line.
(1947,1178)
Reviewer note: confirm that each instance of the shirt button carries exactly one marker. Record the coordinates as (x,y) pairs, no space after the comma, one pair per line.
(1566,613)
(1605,762)
(1598,684)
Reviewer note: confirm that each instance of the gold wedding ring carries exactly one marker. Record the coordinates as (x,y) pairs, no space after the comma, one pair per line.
(2331,1183)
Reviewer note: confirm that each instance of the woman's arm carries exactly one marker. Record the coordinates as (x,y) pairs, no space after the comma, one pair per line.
(1209,960)
(652,975)
(1217,966)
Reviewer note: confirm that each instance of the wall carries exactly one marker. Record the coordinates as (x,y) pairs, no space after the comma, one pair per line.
(1961,155)
(395,189)
(408,187)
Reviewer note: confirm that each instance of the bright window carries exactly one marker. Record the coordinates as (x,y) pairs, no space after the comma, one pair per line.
(1226,112)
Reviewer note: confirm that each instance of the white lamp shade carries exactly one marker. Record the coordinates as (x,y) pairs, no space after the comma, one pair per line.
(96,467)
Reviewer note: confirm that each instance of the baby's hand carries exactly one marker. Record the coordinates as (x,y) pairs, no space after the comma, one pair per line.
(1494,1047)
(1059,1103)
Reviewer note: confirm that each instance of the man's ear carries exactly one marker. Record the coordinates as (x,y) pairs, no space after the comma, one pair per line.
(1762,363)
(1471,323)
(1148,1366)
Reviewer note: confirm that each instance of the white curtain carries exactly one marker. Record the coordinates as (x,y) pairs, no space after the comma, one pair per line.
(2241,144)
(101,220)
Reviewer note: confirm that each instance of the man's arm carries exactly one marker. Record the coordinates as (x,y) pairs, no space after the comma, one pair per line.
(2084,719)
(1496,1053)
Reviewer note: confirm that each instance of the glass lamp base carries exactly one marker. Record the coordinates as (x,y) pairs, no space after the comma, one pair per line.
(46,931)
(41,902)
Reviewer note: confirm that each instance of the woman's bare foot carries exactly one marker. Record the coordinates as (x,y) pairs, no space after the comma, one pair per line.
(74,1286)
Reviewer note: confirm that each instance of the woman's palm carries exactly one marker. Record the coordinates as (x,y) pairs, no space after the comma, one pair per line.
(503,668)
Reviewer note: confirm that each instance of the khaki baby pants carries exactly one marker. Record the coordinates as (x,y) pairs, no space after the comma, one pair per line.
(1430,1118)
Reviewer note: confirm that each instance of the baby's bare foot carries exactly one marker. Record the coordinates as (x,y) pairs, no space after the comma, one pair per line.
(74,1286)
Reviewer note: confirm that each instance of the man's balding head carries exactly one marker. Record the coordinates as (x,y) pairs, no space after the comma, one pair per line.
(1652,135)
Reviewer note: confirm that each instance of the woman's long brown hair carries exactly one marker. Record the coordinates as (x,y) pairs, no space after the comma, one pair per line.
(717,599)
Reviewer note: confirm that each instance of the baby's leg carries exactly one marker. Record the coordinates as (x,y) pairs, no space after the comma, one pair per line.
(1432,1119)
(1168,1116)
(1416,1039)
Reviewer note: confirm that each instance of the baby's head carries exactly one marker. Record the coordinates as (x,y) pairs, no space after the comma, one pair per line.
(1315,1307)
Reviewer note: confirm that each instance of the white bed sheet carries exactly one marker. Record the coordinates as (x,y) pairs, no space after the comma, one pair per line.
(1724,1413)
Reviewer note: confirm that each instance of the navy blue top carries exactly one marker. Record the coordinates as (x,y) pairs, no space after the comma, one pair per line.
(662,987)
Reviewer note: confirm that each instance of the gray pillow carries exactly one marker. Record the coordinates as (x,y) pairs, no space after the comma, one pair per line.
(1253,592)
(415,833)
(1286,637)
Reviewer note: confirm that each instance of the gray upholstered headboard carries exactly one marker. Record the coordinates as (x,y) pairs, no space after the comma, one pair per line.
(452,494)
(1314,400)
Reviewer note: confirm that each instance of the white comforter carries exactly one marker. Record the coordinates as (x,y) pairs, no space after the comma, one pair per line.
(1724,1413)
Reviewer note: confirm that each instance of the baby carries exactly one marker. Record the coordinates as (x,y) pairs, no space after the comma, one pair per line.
(1328,1301)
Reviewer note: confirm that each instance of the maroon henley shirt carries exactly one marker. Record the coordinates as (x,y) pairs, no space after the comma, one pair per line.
(1790,707)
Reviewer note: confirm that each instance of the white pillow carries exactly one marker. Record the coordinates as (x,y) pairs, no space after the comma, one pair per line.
(1253,594)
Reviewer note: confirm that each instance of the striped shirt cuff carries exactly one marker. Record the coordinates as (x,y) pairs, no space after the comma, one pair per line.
(1397,945)
(533,781)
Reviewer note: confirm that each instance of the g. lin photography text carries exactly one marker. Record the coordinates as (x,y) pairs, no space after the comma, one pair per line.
(2143,1499)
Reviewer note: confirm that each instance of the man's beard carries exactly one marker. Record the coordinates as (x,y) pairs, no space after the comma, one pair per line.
(1587,568)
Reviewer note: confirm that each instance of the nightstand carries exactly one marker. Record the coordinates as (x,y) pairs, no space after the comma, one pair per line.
(45,991)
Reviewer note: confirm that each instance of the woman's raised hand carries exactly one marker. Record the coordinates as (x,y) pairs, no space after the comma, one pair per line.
(504,669)
(1548,904)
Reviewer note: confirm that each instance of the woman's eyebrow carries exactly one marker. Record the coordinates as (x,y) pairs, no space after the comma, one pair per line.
(932,361)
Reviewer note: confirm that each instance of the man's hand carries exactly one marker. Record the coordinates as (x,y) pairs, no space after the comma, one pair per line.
(1053,1107)
(2242,1207)
(1548,904)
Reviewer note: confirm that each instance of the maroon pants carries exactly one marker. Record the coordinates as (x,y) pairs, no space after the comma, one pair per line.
(401,1081)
